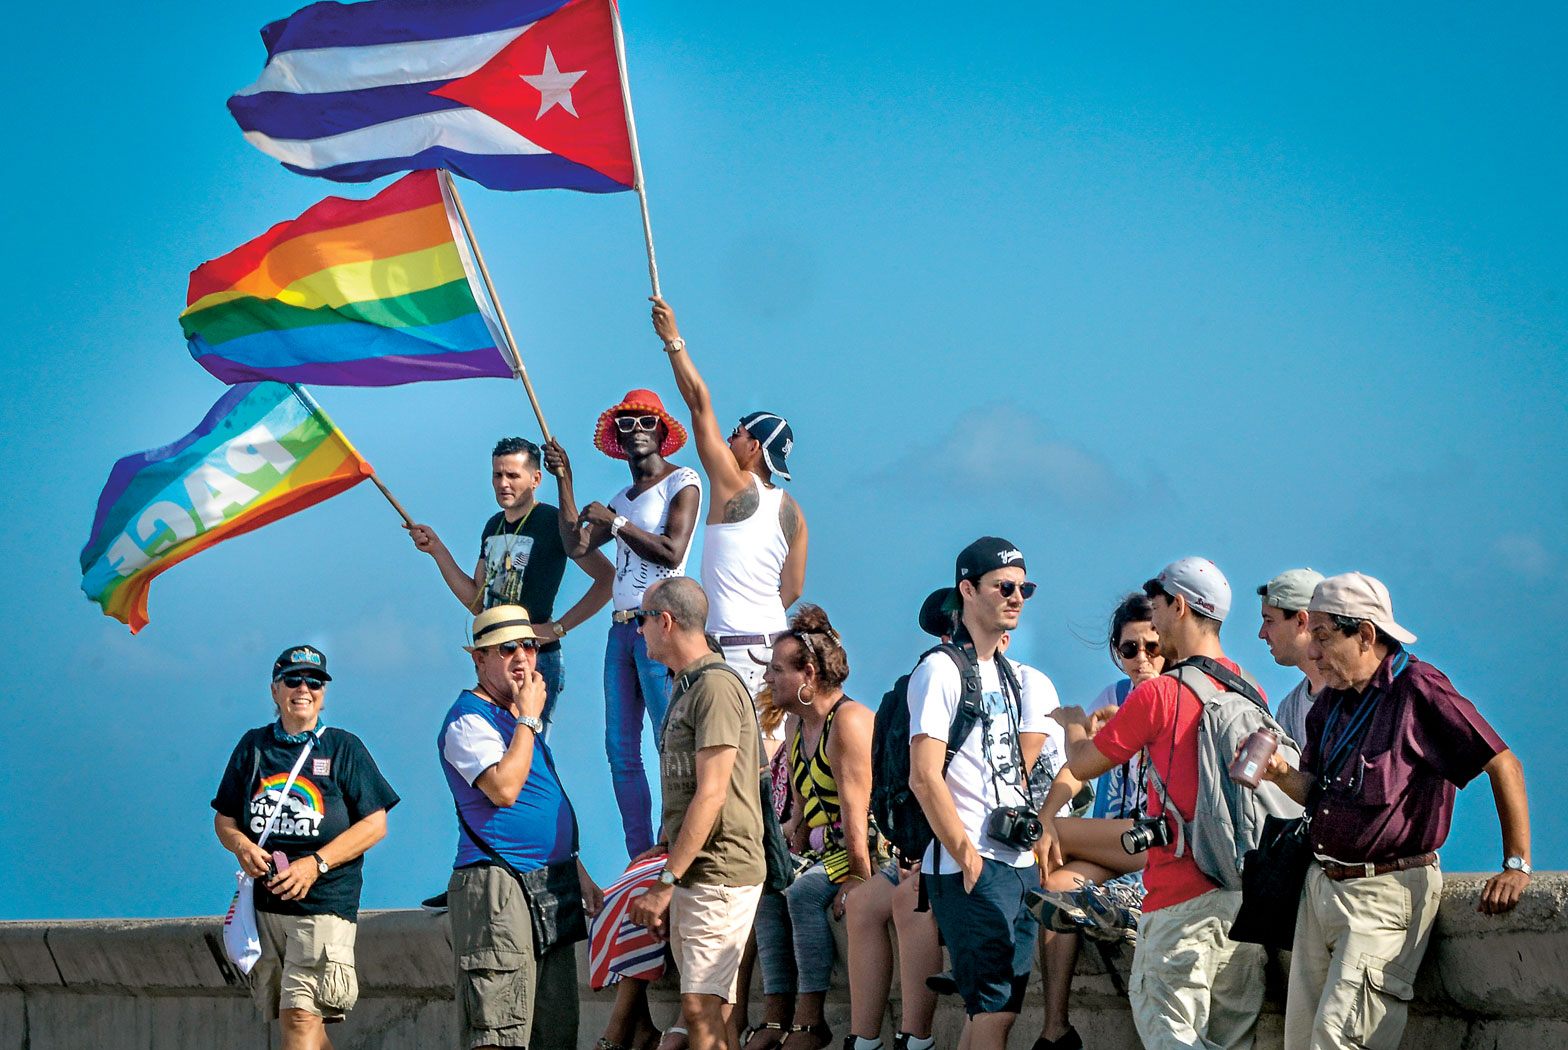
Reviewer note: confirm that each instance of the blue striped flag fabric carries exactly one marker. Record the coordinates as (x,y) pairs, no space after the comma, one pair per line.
(618,947)
(513,94)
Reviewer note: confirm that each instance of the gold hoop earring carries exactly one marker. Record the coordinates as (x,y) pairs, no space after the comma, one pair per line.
(800,698)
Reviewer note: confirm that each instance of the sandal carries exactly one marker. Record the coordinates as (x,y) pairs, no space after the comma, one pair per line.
(819,1031)
(766,1026)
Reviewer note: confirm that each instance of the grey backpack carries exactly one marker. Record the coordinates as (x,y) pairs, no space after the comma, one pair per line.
(1228,818)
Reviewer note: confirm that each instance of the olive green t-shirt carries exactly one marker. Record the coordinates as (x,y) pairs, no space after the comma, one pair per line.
(714,710)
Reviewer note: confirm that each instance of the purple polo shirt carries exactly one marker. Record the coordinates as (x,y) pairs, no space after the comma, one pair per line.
(1394,796)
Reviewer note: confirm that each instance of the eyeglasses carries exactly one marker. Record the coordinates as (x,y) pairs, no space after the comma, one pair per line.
(627,424)
(294,681)
(642,616)
(1130,649)
(510,648)
(1006,588)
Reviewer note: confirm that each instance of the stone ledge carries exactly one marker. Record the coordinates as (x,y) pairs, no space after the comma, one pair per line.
(1486,982)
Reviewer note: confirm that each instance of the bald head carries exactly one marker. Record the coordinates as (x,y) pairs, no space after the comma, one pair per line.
(682,598)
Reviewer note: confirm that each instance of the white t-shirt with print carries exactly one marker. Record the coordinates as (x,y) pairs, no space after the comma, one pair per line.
(651,513)
(934,691)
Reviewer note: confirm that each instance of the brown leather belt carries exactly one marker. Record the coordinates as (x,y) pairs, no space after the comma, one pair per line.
(731,640)
(1341,872)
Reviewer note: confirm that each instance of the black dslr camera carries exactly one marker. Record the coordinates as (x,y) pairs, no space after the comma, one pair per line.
(1016,826)
(1146,833)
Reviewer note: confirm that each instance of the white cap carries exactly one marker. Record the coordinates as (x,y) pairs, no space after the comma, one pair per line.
(1360,597)
(1200,582)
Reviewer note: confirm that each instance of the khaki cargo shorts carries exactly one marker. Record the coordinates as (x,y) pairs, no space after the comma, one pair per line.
(307,963)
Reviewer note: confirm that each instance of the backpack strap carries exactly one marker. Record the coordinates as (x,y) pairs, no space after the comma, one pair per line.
(1168,809)
(969,709)
(1123,687)
(1232,681)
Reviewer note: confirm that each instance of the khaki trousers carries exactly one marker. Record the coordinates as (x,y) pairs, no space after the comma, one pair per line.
(1191,985)
(1358,945)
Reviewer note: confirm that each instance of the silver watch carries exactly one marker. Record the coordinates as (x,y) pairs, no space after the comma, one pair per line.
(532,723)
(618,524)
(1517,864)
(666,877)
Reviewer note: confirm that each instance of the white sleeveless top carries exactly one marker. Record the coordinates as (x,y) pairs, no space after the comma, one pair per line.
(651,513)
(742,562)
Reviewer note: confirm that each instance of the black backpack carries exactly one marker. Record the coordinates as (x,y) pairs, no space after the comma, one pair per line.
(893,803)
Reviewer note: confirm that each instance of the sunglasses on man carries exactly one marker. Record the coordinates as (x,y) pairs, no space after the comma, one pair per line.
(1130,649)
(294,681)
(1006,588)
(509,649)
(627,424)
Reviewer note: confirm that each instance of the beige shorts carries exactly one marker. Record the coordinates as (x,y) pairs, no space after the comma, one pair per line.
(307,963)
(709,926)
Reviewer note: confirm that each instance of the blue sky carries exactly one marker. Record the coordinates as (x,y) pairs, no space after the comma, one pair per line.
(1271,286)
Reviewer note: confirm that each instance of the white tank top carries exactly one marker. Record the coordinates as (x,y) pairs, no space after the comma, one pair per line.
(651,513)
(742,562)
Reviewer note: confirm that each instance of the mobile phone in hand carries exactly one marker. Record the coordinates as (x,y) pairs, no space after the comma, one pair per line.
(280,862)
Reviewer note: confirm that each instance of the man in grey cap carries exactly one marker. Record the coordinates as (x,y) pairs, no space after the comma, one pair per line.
(754,540)
(1284,628)
(1192,986)
(1388,745)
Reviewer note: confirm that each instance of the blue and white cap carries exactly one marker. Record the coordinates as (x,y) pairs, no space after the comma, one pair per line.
(775,436)
(301,659)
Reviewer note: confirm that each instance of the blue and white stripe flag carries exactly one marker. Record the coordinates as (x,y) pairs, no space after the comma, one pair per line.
(514,94)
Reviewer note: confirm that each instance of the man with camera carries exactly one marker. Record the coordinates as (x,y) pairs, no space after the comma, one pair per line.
(1191,986)
(974,792)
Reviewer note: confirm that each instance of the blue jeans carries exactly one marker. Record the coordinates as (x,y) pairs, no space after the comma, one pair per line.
(775,951)
(554,675)
(808,898)
(633,684)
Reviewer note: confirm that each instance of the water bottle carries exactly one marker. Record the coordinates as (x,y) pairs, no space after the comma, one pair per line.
(1254,757)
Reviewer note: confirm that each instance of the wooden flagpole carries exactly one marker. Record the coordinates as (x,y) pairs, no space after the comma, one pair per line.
(506,329)
(631,131)
(392,500)
(311,403)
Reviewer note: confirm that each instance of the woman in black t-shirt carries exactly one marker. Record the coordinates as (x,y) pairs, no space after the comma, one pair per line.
(309,872)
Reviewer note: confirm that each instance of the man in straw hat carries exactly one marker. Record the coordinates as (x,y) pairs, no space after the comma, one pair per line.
(1388,744)
(651,521)
(754,541)
(515,818)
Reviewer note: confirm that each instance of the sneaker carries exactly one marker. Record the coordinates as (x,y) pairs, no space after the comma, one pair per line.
(942,983)
(1046,905)
(1113,911)
(436,904)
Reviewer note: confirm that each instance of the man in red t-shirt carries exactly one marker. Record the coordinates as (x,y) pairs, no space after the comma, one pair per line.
(1191,985)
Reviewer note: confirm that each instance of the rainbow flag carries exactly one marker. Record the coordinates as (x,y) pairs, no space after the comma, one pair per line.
(265,450)
(351,293)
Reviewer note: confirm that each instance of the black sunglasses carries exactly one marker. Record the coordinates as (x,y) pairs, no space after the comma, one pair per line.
(510,648)
(1006,588)
(627,424)
(294,681)
(642,616)
(1130,649)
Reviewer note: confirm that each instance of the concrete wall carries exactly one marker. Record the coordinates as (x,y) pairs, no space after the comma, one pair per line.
(164,983)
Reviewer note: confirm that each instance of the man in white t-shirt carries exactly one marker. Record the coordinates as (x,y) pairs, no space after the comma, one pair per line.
(976,875)
(1284,600)
(754,540)
(651,521)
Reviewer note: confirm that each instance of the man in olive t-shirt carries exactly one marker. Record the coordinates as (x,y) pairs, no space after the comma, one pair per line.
(710,760)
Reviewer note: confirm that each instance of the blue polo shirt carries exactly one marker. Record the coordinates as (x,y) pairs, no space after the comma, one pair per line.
(533,832)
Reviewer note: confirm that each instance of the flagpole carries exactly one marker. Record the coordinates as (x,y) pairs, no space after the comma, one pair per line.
(631,131)
(392,499)
(506,329)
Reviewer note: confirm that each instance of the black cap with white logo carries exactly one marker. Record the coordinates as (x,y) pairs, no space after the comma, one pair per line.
(774,435)
(301,659)
(984,555)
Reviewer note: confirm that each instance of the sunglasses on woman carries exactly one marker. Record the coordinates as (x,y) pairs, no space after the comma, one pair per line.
(1130,649)
(627,424)
(1006,588)
(294,681)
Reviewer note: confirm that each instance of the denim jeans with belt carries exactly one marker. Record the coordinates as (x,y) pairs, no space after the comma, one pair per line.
(633,685)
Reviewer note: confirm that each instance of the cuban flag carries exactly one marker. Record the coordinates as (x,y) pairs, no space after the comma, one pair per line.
(513,94)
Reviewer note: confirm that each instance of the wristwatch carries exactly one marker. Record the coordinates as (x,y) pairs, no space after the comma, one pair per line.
(532,723)
(321,865)
(617,524)
(559,629)
(675,346)
(1517,864)
(666,877)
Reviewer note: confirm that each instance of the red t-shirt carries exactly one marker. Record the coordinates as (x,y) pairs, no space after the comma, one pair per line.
(1157,714)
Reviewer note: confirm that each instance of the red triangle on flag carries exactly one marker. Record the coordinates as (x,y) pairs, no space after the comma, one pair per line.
(559,85)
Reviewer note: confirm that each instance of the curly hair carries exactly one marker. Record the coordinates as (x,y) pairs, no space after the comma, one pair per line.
(820,644)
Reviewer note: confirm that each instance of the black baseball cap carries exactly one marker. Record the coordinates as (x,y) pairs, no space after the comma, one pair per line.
(934,619)
(774,435)
(300,659)
(984,555)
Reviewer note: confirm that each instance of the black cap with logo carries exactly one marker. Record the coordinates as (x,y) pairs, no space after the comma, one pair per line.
(301,659)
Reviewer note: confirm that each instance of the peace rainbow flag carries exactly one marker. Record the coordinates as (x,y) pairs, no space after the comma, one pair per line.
(352,293)
(264,451)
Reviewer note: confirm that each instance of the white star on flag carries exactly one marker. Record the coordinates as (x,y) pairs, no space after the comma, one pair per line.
(554,86)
